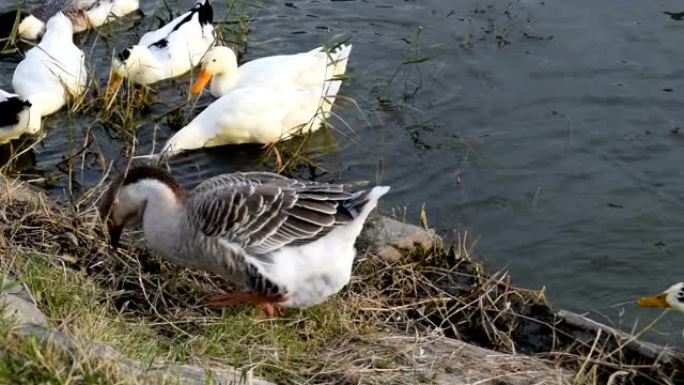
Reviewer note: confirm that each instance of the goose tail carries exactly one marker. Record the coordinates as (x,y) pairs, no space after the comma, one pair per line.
(363,202)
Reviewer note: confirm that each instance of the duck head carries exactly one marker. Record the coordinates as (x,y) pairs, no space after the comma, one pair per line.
(131,61)
(670,298)
(219,61)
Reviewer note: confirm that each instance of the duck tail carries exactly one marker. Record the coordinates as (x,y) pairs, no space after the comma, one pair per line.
(339,59)
(336,68)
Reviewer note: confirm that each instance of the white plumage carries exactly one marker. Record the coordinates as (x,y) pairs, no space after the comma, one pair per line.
(263,101)
(14,116)
(255,115)
(87,14)
(51,72)
(317,270)
(312,69)
(167,52)
(286,242)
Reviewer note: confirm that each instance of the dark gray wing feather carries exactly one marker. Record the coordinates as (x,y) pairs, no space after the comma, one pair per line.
(263,211)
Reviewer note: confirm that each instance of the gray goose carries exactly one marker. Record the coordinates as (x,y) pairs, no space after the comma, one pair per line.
(285,242)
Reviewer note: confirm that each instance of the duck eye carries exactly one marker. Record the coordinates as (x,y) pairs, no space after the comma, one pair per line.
(214,60)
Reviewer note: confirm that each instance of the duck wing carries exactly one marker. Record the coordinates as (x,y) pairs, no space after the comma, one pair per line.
(263,212)
(160,37)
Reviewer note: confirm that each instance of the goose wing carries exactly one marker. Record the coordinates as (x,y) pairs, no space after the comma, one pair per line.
(263,212)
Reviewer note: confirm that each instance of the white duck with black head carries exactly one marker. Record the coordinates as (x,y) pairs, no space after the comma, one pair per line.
(168,52)
(286,242)
(672,298)
(14,116)
(50,72)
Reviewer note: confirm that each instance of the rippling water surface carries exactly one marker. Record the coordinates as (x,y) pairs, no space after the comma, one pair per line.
(550,130)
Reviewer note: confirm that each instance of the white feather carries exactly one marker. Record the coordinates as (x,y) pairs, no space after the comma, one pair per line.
(317,270)
(13,131)
(182,50)
(312,69)
(50,71)
(252,115)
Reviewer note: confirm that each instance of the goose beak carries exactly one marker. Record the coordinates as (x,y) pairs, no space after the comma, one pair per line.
(201,81)
(659,300)
(114,233)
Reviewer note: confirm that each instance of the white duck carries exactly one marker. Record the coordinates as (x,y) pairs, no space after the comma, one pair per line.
(303,70)
(14,116)
(286,242)
(84,14)
(670,298)
(51,71)
(255,115)
(88,14)
(28,27)
(167,52)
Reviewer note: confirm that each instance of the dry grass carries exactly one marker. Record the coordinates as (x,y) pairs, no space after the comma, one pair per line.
(149,310)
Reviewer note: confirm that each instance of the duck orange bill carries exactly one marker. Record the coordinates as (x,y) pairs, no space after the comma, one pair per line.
(114,84)
(659,300)
(201,81)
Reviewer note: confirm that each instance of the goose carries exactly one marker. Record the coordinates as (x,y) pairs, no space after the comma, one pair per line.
(50,71)
(14,115)
(168,52)
(670,298)
(284,242)
(303,70)
(255,115)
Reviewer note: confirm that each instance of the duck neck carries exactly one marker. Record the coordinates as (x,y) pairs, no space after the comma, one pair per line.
(190,137)
(224,81)
(162,218)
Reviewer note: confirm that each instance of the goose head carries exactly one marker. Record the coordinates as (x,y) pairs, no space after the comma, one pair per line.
(219,60)
(123,203)
(670,298)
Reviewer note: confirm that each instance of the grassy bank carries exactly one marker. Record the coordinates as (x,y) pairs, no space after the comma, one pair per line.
(395,323)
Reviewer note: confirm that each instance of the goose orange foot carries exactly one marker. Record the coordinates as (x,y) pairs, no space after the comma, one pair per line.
(269,304)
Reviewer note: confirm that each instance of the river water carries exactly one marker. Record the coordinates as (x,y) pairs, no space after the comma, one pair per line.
(552,131)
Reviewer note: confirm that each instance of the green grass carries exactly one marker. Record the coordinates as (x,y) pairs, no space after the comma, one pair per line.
(151,311)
